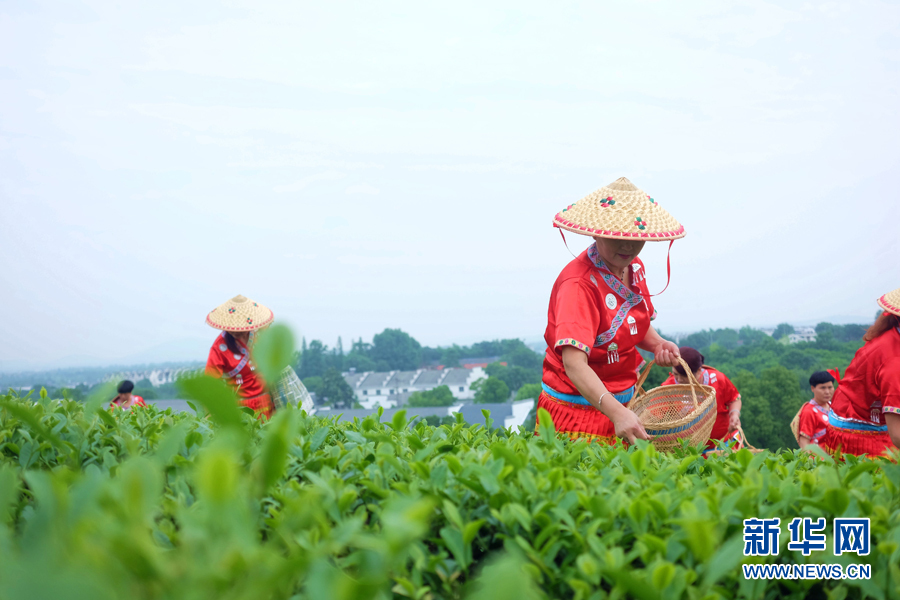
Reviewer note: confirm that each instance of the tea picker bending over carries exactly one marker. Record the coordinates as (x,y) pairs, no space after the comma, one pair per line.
(865,412)
(230,356)
(600,312)
(728,399)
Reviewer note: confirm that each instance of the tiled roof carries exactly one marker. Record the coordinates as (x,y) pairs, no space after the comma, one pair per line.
(353,378)
(374,381)
(428,378)
(401,379)
(456,377)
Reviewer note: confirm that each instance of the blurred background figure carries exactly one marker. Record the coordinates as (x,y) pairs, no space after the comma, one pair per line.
(865,413)
(230,356)
(125,397)
(728,399)
(813,416)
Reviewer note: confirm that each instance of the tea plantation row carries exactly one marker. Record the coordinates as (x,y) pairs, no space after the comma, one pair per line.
(150,504)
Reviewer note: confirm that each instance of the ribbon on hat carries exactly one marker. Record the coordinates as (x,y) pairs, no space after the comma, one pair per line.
(668,263)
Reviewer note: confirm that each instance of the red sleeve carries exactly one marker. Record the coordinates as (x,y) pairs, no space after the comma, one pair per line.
(139,401)
(889,385)
(726,390)
(577,317)
(808,424)
(215,363)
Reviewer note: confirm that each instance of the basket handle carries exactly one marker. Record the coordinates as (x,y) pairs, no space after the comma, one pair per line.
(747,444)
(692,380)
(638,387)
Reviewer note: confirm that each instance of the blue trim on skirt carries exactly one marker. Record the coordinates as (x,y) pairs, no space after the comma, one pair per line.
(623,397)
(839,423)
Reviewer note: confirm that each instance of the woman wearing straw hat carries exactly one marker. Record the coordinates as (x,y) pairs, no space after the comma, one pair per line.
(600,312)
(728,399)
(865,411)
(229,357)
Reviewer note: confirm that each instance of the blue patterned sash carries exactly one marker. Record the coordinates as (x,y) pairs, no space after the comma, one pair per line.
(629,298)
(853,424)
(623,397)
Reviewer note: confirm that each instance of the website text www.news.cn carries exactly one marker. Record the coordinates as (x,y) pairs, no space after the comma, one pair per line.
(851,536)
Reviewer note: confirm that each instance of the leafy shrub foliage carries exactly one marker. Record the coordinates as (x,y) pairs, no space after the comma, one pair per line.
(439,396)
(148,504)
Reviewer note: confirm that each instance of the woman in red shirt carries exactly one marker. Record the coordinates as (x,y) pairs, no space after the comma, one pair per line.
(229,357)
(813,417)
(600,312)
(865,411)
(125,397)
(728,399)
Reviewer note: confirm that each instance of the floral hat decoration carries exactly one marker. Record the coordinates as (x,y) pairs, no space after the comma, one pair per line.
(240,314)
(619,210)
(891,302)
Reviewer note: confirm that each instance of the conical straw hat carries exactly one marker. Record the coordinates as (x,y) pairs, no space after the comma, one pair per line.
(240,314)
(891,302)
(619,210)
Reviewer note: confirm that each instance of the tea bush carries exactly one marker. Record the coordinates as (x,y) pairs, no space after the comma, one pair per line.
(155,504)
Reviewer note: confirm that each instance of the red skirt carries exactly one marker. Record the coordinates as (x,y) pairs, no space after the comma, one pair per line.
(578,421)
(844,441)
(262,405)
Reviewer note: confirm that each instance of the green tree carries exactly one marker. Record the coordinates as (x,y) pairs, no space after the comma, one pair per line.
(396,350)
(769,402)
(513,377)
(145,389)
(524,357)
(358,361)
(450,356)
(335,391)
(490,391)
(782,330)
(529,391)
(312,360)
(749,335)
(798,359)
(313,384)
(851,332)
(439,396)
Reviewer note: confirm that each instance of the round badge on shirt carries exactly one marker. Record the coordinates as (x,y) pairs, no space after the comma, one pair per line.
(610,301)
(222,347)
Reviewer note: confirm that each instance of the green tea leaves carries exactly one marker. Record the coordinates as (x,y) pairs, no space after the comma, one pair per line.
(215,395)
(274,351)
(223,504)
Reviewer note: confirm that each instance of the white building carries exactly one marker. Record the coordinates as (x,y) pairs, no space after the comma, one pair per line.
(157,377)
(802,334)
(389,389)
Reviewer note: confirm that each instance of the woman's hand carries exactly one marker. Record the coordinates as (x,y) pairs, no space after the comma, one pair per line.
(734,420)
(667,354)
(628,426)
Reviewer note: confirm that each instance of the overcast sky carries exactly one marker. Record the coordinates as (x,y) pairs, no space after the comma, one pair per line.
(356,166)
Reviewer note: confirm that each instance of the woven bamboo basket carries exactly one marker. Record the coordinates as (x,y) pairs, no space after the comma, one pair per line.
(290,390)
(672,412)
(795,425)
